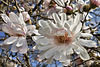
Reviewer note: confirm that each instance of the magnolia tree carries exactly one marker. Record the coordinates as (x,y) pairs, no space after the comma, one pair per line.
(49,33)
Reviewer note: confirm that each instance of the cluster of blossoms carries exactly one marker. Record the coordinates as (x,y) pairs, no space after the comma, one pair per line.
(58,39)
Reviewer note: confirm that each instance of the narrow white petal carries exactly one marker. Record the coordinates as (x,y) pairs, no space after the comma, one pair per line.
(76,22)
(56,17)
(37,37)
(21,18)
(88,43)
(86,35)
(10,40)
(43,23)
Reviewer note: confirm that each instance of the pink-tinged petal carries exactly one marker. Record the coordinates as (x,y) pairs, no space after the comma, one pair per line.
(23,49)
(13,47)
(21,41)
(10,40)
(18,31)
(26,16)
(14,18)
(6,18)
(7,29)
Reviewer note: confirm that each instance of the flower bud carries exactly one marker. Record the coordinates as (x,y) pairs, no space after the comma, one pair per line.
(68,10)
(95,2)
(86,8)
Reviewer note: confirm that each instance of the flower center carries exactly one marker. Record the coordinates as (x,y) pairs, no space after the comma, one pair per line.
(19,35)
(63,39)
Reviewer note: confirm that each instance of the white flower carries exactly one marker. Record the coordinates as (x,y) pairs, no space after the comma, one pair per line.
(16,27)
(58,41)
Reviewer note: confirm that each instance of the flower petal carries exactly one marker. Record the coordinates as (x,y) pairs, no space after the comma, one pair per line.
(86,35)
(21,41)
(84,55)
(56,17)
(76,22)
(50,52)
(14,18)
(57,55)
(7,29)
(13,47)
(6,18)
(88,43)
(10,40)
(41,47)
(77,29)
(24,47)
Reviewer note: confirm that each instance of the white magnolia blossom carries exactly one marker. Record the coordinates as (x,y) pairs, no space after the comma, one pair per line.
(60,39)
(16,27)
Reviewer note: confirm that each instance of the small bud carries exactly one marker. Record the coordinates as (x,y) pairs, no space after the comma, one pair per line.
(68,10)
(95,3)
(14,8)
(86,8)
